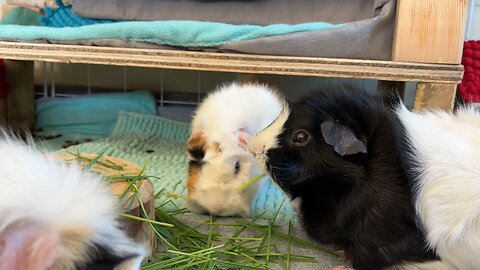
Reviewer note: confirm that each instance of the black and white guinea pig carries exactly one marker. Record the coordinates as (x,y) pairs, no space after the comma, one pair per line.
(340,153)
(218,159)
(58,217)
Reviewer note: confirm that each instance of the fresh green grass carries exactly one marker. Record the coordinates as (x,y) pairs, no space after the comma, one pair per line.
(251,182)
(251,243)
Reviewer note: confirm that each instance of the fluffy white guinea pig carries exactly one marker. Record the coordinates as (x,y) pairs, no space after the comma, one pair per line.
(57,216)
(446,150)
(218,161)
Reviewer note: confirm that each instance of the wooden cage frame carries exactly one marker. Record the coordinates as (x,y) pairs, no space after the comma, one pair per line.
(427,49)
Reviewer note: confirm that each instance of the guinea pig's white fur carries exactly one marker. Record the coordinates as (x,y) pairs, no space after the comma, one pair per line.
(447,188)
(268,138)
(236,107)
(221,125)
(54,215)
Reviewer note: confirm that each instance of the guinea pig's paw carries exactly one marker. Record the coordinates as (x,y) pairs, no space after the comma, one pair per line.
(341,267)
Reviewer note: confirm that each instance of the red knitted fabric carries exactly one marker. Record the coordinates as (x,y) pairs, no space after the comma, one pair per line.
(3,80)
(469,88)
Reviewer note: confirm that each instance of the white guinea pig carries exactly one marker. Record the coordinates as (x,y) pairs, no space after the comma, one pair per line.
(446,149)
(218,160)
(56,216)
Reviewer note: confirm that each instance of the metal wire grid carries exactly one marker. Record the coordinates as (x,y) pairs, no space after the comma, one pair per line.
(50,90)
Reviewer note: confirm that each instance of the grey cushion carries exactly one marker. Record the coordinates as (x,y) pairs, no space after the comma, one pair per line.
(366,39)
(260,12)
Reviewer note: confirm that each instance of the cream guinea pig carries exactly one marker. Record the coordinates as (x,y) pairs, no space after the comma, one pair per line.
(218,160)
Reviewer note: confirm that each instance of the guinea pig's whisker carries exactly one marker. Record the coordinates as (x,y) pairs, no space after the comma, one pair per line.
(272,173)
(278,172)
(276,167)
(285,169)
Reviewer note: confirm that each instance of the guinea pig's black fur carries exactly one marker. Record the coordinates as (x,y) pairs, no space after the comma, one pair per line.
(103,259)
(361,202)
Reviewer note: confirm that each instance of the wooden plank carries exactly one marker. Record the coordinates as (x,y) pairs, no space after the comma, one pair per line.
(434,95)
(429,31)
(21,97)
(241,63)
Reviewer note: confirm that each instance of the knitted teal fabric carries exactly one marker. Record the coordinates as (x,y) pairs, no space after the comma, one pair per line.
(63,17)
(137,135)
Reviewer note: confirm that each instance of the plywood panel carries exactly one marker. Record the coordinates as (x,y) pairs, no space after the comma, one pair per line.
(242,63)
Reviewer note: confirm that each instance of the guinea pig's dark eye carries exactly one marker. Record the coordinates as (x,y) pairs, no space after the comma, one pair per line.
(237,167)
(300,137)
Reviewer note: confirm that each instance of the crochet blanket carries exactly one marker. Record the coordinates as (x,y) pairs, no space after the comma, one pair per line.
(137,135)
(63,17)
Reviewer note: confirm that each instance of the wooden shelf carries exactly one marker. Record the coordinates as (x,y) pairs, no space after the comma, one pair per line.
(435,89)
(227,62)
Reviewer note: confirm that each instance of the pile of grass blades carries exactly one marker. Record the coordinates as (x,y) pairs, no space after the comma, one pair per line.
(243,243)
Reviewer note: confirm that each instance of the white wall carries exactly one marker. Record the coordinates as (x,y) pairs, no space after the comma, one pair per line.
(473,32)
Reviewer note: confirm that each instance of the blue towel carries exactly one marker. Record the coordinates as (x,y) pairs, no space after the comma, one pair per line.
(173,33)
(89,116)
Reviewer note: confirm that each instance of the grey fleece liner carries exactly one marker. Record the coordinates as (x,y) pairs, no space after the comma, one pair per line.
(258,12)
(365,39)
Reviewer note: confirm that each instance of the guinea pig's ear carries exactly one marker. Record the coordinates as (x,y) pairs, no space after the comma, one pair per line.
(342,138)
(195,140)
(195,145)
(25,245)
(243,135)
